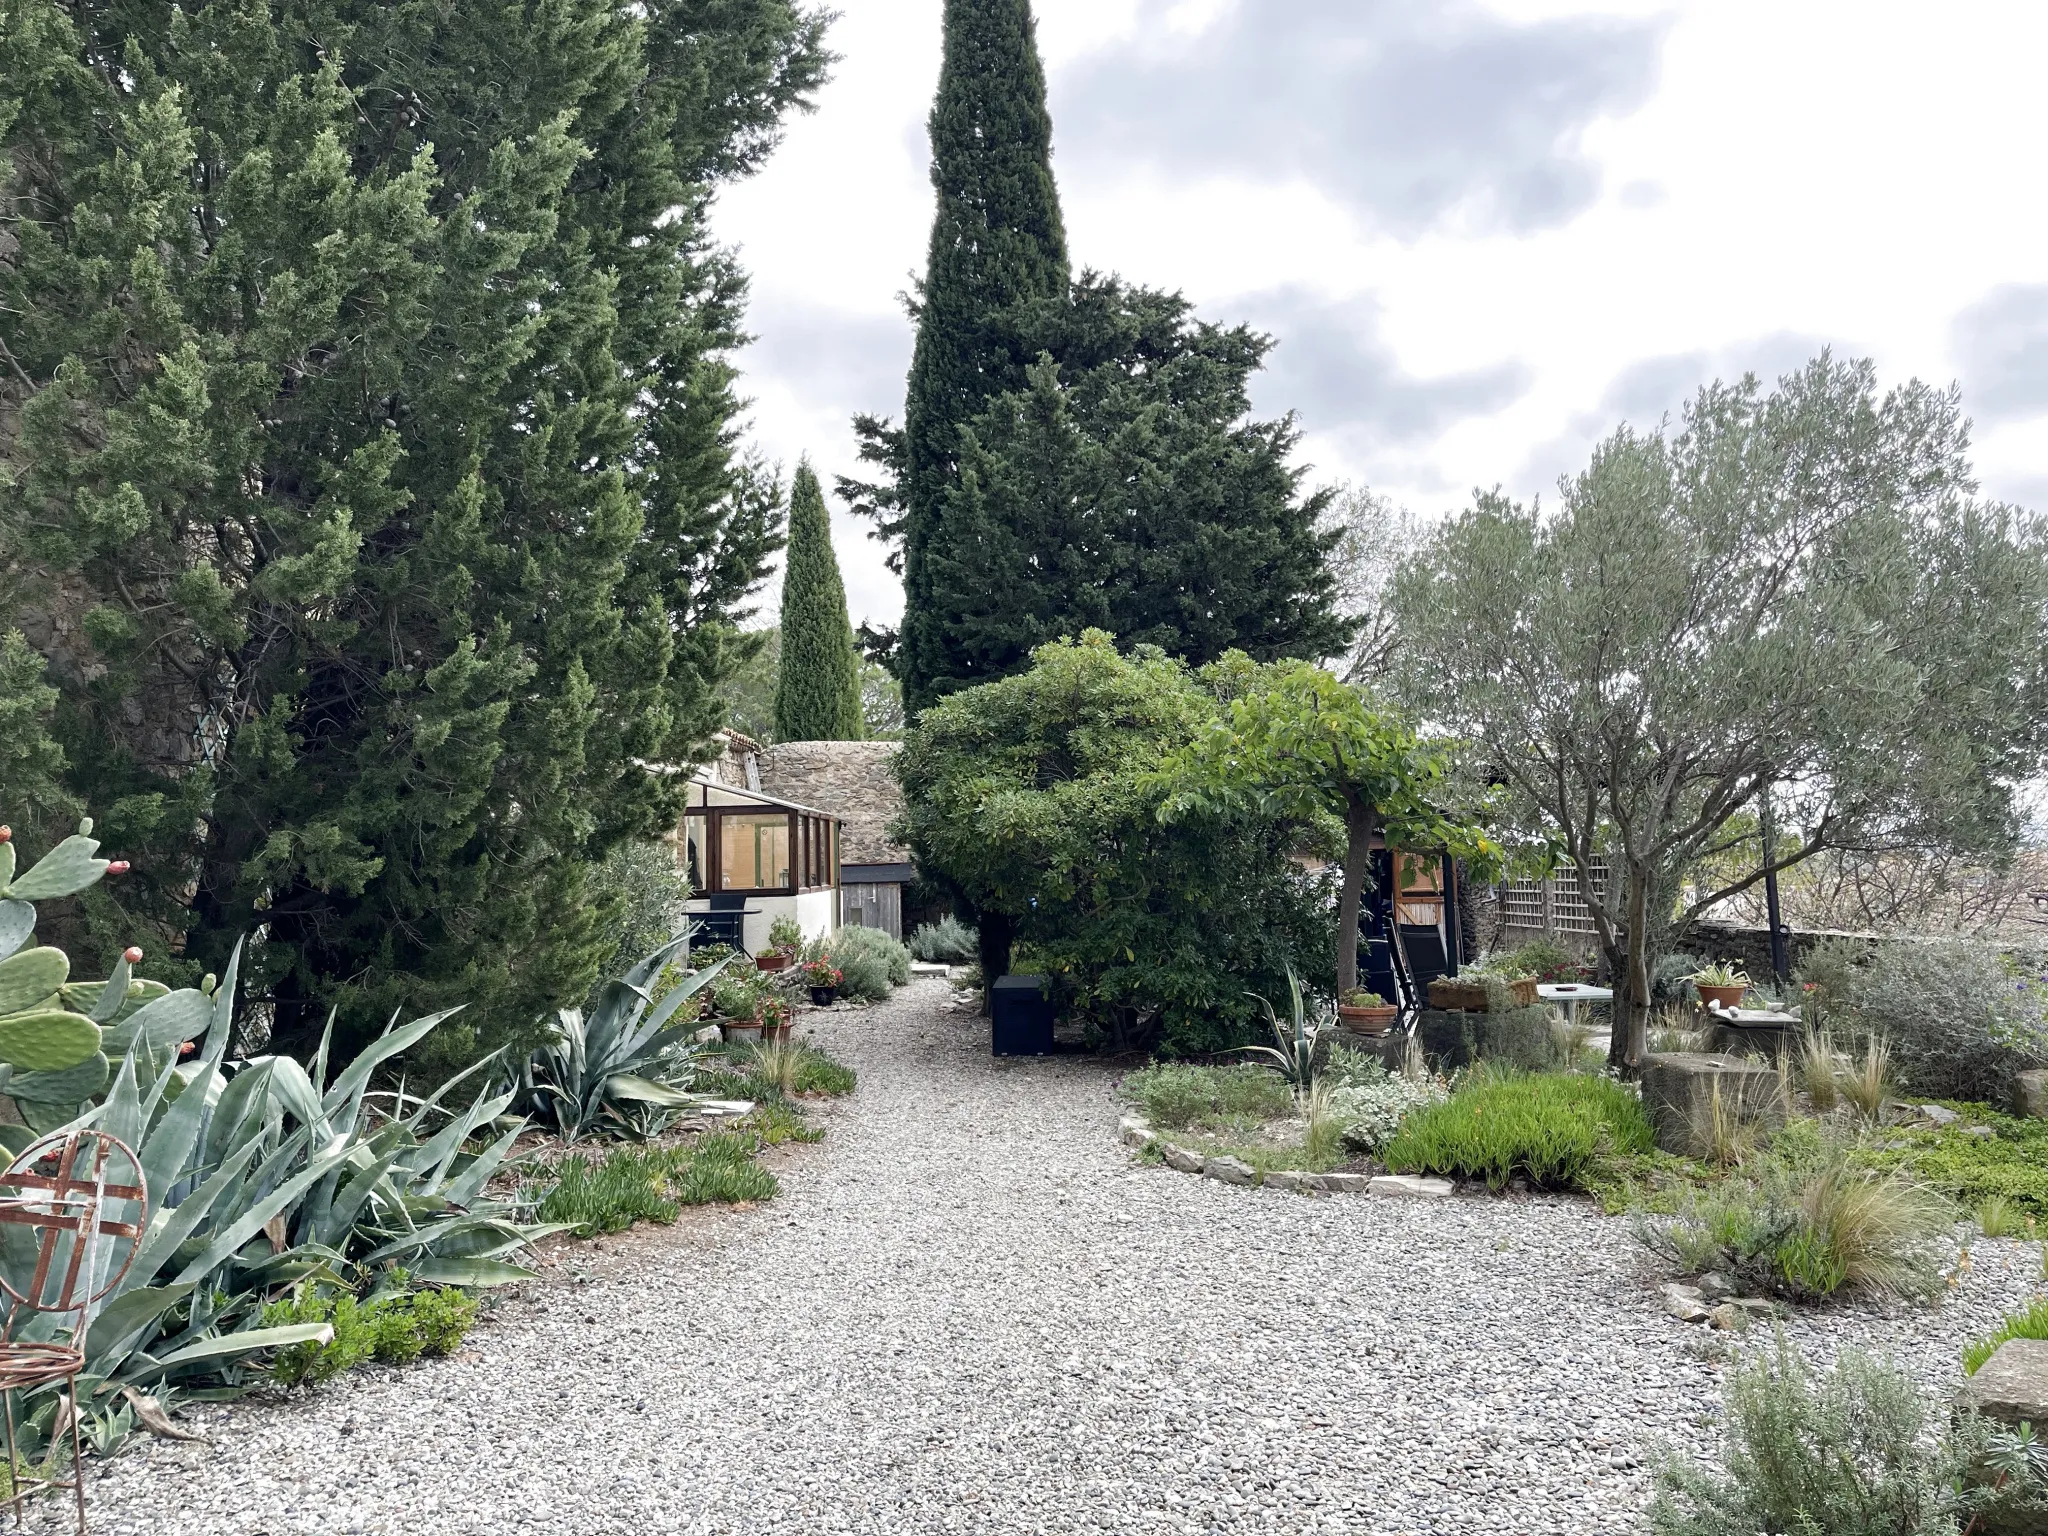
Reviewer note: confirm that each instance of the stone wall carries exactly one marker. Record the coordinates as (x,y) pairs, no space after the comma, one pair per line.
(854,780)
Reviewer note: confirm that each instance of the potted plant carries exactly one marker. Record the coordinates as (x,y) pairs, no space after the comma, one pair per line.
(774,1019)
(785,938)
(1725,985)
(1365,1012)
(823,978)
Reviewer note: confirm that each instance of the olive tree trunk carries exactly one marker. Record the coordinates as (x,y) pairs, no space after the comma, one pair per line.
(1359,825)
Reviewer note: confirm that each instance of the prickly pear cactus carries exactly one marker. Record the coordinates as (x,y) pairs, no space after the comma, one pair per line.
(59,1037)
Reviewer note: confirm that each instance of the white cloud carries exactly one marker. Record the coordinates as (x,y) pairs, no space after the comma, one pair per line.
(1490,294)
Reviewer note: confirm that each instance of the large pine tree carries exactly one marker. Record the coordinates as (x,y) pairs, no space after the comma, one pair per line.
(367,476)
(817,688)
(998,245)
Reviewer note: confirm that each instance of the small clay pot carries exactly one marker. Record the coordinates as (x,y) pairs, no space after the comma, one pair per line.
(772,961)
(740,1031)
(1727,997)
(1367,1021)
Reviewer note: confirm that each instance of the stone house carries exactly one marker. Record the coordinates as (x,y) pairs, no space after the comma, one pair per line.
(854,781)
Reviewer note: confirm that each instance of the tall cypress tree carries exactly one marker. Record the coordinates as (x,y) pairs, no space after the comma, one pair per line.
(998,247)
(817,687)
(366,469)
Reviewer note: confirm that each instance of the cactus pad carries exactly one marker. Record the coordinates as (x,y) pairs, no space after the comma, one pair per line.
(31,977)
(47,1040)
(68,1087)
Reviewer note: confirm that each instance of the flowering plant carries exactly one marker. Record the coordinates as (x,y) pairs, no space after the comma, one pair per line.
(821,972)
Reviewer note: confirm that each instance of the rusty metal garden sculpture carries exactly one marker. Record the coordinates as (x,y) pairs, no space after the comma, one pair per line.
(82,1195)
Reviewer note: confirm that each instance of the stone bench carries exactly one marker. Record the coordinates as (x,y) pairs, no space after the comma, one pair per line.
(1679,1088)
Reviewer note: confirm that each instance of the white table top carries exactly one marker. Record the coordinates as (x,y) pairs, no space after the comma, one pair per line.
(1573,992)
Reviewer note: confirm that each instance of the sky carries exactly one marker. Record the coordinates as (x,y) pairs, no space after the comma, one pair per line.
(1482,235)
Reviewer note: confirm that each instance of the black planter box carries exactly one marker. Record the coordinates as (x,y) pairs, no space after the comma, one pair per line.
(1021,1017)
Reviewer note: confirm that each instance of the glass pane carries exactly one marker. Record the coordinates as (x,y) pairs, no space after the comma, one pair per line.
(695,854)
(753,850)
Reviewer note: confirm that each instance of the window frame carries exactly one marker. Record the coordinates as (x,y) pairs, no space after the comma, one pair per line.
(813,850)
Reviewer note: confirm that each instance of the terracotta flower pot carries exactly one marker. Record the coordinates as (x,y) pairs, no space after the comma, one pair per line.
(771,961)
(1367,1021)
(740,1031)
(1727,997)
(773,1030)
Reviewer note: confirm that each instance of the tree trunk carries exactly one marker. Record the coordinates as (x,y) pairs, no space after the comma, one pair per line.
(995,933)
(1358,830)
(1633,1018)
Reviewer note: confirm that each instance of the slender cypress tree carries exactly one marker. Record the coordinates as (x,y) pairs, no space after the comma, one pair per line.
(998,247)
(817,687)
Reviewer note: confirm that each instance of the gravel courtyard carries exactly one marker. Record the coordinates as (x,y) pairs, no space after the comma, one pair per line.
(972,1312)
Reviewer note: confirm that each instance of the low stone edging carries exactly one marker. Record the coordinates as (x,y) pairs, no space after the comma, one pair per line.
(1138,1132)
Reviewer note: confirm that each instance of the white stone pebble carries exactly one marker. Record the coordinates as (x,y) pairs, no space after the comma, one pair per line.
(973,1311)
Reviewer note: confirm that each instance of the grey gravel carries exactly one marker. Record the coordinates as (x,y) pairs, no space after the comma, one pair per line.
(973,1310)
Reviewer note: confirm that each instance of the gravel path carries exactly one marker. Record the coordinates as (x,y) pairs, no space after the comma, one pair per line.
(971,1312)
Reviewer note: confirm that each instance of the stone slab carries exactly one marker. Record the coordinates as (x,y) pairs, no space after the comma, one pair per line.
(1229,1170)
(1135,1130)
(1182,1159)
(1412,1186)
(930,968)
(2030,1095)
(1679,1088)
(2012,1386)
(1287,1179)
(1343,1183)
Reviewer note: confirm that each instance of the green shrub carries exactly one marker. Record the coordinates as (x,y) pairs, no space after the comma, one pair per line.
(609,1195)
(1805,1220)
(2030,1324)
(1546,1128)
(1176,1095)
(394,1330)
(948,941)
(870,963)
(1369,1102)
(1857,1452)
(1959,1018)
(817,1072)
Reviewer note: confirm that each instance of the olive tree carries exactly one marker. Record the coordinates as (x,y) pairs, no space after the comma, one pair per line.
(1794,602)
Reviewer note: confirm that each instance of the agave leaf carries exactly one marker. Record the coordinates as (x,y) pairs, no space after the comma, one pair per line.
(122,1118)
(17,923)
(169,1226)
(459,1236)
(121,1319)
(477,1274)
(169,1146)
(469,1183)
(340,1217)
(239,1115)
(348,1087)
(249,1341)
(318,1071)
(443,1148)
(428,1104)
(626,1085)
(253,1220)
(112,993)
(292,1088)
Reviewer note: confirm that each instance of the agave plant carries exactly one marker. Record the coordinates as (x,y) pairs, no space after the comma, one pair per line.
(1297,1048)
(626,1066)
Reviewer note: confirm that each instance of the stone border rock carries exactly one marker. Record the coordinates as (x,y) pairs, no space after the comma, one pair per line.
(1137,1132)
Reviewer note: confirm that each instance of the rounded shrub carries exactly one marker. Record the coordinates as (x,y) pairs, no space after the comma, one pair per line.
(870,963)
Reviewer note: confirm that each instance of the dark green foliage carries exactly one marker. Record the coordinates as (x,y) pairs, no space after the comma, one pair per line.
(817,691)
(1123,488)
(1855,1452)
(393,1329)
(998,243)
(749,692)
(1548,1128)
(367,407)
(39,808)
(642,894)
(1036,800)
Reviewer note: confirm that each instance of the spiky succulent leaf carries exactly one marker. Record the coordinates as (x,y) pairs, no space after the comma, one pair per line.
(31,978)
(47,1040)
(163,1024)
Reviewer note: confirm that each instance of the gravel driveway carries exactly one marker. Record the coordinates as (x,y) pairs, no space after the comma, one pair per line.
(971,1312)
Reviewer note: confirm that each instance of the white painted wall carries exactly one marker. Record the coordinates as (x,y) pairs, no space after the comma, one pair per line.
(814,912)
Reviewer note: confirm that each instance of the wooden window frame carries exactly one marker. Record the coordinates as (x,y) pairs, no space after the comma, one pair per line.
(813,850)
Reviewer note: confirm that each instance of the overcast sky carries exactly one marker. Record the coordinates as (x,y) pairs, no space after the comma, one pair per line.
(1482,234)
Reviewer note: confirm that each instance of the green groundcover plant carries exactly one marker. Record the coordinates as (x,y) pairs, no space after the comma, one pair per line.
(1547,1128)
